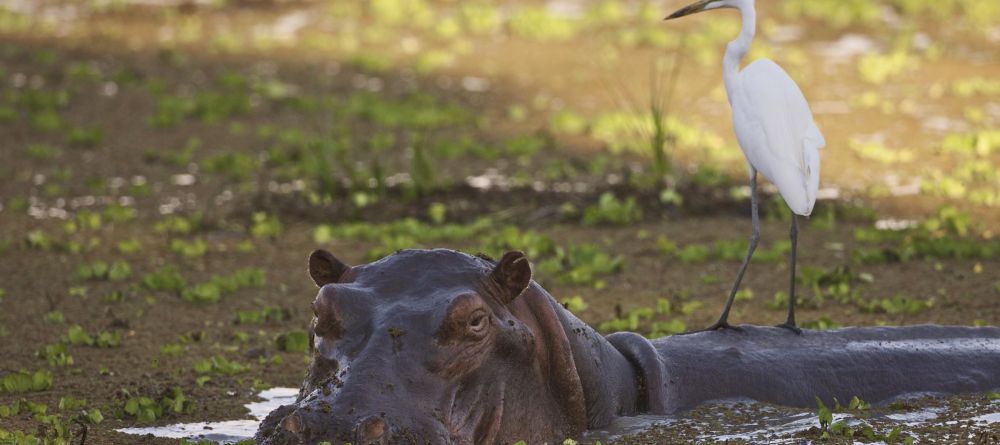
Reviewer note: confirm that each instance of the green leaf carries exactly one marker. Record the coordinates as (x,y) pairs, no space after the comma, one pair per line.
(825,415)
(164,279)
(39,381)
(132,406)
(857,403)
(891,437)
(78,336)
(119,271)
(294,341)
(94,416)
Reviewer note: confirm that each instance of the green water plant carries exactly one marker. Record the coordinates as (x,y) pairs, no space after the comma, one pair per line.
(147,409)
(613,211)
(24,381)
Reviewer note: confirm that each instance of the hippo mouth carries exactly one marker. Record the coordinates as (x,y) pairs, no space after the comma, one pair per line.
(292,424)
(321,418)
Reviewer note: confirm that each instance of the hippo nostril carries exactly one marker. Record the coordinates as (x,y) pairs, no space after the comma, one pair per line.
(292,423)
(370,430)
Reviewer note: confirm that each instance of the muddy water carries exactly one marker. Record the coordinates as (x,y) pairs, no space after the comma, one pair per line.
(760,423)
(227,431)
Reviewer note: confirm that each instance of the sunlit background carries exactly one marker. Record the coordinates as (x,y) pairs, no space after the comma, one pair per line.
(167,166)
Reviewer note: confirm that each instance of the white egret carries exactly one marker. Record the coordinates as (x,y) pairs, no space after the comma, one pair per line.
(776,132)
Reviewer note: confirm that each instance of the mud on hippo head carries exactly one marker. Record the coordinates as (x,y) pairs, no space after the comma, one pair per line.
(432,346)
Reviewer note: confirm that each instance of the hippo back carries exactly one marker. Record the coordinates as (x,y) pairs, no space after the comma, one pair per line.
(873,363)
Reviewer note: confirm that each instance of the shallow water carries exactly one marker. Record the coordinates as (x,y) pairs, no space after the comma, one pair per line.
(226,431)
(624,426)
(765,422)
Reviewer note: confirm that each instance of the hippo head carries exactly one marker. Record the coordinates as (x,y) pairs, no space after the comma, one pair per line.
(432,347)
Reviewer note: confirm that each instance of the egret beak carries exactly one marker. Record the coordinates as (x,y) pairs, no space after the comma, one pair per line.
(690,9)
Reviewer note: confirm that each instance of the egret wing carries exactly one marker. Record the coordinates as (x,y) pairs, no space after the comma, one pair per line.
(789,156)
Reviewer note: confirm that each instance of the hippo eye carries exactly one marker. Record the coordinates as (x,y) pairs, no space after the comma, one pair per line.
(478,321)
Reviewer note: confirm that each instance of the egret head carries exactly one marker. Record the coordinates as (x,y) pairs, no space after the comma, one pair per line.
(706,5)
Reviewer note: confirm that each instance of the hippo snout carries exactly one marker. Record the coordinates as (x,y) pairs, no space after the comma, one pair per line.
(308,423)
(368,431)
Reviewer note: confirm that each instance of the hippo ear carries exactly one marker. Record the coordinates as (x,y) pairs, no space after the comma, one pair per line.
(324,268)
(513,273)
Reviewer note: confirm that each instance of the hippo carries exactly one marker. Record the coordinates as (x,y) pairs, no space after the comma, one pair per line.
(442,347)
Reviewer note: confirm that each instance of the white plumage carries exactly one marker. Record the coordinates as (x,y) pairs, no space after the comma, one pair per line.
(776,131)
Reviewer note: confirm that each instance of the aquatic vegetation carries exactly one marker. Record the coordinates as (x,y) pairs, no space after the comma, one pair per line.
(99,270)
(880,68)
(219,365)
(434,60)
(83,220)
(84,137)
(413,111)
(535,245)
(397,12)
(55,317)
(263,315)
(575,304)
(43,152)
(212,291)
(171,349)
(653,321)
(898,304)
(821,324)
(166,279)
(568,122)
(724,250)
(146,409)
(624,131)
(177,225)
(581,264)
(265,226)
(611,210)
(537,23)
(56,355)
(946,235)
(838,13)
(189,249)
(24,381)
(76,335)
(293,341)
(237,166)
(480,17)
(129,246)
(408,228)
(975,15)
(976,86)
(877,152)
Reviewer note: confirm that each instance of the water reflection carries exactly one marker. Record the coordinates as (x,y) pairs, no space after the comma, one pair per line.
(226,431)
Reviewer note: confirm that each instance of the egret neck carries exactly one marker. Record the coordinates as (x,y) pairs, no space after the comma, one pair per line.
(737,49)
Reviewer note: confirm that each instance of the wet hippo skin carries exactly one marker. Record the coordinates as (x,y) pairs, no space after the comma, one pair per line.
(441,347)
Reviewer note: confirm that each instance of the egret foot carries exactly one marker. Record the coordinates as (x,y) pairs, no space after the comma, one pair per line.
(790,327)
(718,326)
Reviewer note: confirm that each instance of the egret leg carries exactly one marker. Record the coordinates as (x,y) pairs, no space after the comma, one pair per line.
(723,322)
(793,234)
